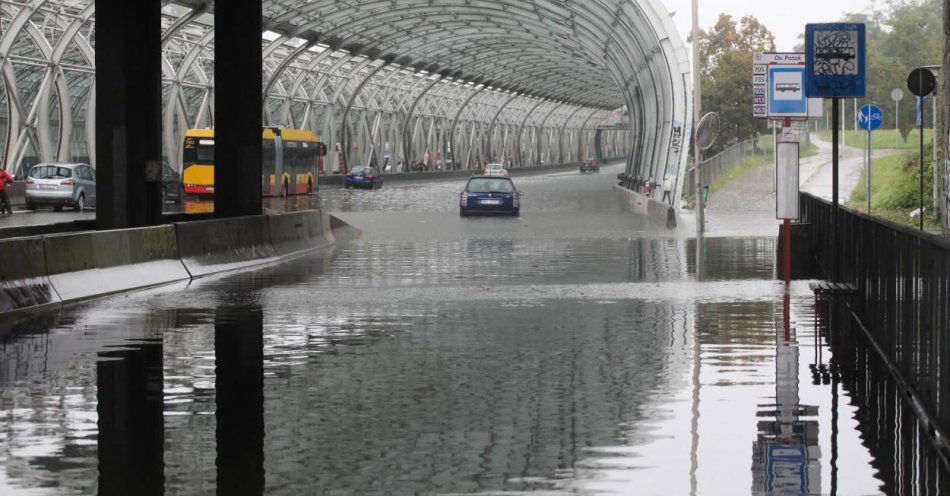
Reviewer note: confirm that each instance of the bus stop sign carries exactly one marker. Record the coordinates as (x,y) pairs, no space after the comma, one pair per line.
(835,58)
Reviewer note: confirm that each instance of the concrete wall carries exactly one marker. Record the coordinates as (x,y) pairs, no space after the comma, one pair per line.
(42,271)
(641,204)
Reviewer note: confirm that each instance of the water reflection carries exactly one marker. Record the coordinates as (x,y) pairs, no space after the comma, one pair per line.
(786,456)
(904,456)
(131,429)
(239,377)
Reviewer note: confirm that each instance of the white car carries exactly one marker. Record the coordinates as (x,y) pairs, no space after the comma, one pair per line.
(494,170)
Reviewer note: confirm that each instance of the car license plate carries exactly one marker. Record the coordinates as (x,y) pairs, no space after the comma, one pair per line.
(491,202)
(48,186)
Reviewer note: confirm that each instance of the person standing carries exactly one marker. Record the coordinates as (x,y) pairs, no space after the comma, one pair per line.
(5,179)
(668,190)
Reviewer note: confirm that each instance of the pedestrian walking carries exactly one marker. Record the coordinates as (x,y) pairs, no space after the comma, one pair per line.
(668,190)
(5,179)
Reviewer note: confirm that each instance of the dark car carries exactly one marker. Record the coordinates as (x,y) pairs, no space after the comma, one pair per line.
(363,177)
(589,166)
(172,188)
(490,195)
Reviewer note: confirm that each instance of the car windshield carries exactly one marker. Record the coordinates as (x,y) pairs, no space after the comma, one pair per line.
(364,170)
(50,172)
(494,166)
(486,185)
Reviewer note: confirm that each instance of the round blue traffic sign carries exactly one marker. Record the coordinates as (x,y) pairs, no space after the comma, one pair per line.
(870,117)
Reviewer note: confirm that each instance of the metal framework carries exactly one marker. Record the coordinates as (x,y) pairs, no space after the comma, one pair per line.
(410,83)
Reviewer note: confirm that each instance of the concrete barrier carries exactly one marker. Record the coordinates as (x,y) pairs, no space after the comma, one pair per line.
(91,264)
(50,270)
(298,232)
(640,204)
(211,246)
(23,280)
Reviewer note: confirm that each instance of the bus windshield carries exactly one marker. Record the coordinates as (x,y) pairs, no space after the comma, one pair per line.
(198,151)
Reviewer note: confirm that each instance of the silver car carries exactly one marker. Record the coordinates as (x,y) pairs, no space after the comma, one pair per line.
(61,185)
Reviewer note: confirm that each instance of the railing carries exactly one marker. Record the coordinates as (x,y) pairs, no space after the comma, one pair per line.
(903,299)
(722,163)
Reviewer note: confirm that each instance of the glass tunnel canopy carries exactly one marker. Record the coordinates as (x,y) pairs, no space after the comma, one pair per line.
(461,82)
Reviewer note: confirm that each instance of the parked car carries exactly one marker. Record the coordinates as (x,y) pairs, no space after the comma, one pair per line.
(363,177)
(494,170)
(61,185)
(589,166)
(490,195)
(172,188)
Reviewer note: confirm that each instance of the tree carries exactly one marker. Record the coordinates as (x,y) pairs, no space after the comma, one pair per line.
(726,74)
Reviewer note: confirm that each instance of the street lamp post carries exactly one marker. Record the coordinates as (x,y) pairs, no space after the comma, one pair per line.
(697,113)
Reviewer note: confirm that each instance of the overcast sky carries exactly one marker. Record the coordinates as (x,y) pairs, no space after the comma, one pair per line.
(785,20)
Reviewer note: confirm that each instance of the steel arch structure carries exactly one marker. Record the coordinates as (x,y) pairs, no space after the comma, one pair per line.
(451,82)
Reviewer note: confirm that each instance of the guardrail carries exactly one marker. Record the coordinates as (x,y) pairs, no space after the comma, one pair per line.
(720,164)
(903,292)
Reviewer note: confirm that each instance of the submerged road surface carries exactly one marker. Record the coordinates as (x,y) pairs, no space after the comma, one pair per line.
(568,351)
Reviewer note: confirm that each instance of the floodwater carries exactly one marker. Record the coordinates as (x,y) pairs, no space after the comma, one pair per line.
(568,351)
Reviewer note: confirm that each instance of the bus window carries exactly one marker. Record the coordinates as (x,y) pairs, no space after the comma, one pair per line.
(206,151)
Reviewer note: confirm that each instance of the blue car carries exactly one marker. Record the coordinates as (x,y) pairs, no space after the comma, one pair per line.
(363,177)
(490,196)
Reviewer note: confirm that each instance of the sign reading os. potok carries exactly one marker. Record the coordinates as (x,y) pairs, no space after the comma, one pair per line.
(761,84)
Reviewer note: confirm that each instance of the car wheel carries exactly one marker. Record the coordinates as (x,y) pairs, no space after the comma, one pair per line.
(57,208)
(30,206)
(463,213)
(80,203)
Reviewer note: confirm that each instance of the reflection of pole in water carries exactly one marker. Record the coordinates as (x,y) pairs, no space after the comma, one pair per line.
(239,385)
(131,425)
(694,414)
(786,455)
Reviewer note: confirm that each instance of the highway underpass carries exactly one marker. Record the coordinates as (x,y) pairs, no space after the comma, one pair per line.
(568,351)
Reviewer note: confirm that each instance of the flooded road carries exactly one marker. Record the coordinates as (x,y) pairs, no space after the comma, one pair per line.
(568,351)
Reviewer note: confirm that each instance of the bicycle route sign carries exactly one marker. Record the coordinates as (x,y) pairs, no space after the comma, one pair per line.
(870,118)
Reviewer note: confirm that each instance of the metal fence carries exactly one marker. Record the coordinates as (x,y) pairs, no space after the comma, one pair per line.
(722,163)
(903,292)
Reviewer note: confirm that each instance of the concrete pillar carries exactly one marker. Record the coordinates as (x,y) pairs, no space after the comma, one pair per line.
(128,112)
(238,81)
(239,397)
(131,426)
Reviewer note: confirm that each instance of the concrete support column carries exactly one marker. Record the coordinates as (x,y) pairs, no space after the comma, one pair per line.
(128,112)
(238,82)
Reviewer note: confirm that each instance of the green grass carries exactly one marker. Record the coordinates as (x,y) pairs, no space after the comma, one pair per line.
(887,139)
(742,168)
(895,190)
(749,164)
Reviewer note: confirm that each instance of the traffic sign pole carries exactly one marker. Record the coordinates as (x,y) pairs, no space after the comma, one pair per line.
(868,175)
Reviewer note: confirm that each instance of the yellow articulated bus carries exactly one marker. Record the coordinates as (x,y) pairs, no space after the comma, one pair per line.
(289,164)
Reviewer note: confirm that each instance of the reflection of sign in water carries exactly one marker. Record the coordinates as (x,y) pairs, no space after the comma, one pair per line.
(835,57)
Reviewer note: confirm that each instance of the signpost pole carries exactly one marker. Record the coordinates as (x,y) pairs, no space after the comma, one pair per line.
(868,175)
(835,111)
(787,226)
(921,130)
